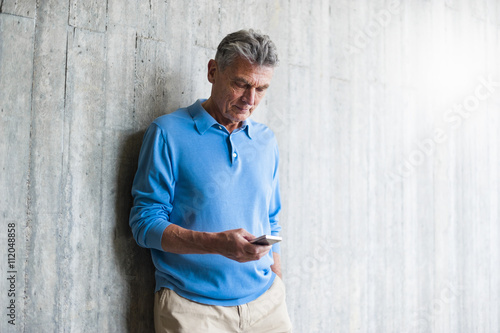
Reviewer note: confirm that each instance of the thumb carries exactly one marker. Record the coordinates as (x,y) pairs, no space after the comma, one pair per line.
(245,234)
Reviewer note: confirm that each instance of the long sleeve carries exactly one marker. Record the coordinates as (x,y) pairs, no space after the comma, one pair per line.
(275,203)
(152,190)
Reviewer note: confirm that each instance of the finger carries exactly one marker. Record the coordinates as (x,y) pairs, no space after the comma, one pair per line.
(259,250)
(245,234)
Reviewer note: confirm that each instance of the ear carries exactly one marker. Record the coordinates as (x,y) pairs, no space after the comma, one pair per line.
(212,70)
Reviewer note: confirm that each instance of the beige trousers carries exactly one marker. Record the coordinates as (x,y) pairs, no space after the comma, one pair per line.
(266,314)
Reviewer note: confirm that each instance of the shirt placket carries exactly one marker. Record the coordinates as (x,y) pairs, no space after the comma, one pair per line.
(232,150)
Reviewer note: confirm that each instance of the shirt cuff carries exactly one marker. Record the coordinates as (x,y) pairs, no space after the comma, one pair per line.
(156,233)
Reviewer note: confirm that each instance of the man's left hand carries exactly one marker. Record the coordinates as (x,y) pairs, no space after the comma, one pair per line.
(276,267)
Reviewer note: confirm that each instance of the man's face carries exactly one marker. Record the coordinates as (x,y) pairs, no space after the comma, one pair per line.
(239,88)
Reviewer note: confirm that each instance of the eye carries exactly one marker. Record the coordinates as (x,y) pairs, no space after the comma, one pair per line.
(239,84)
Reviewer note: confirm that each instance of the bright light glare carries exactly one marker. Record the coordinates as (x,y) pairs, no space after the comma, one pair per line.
(453,69)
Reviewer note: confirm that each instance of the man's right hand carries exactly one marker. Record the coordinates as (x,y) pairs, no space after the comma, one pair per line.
(233,244)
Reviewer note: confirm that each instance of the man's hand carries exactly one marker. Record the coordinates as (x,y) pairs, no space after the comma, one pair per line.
(233,244)
(276,267)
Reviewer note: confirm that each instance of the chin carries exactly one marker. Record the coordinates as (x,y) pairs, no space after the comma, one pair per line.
(237,116)
(241,117)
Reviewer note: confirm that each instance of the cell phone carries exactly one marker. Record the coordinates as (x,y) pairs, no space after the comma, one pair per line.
(266,240)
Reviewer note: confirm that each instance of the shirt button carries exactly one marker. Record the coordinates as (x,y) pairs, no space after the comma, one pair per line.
(220,127)
(234,154)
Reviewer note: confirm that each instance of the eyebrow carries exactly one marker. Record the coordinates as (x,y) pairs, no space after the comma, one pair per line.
(242,80)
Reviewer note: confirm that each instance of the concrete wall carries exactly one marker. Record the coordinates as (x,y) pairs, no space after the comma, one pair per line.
(387,116)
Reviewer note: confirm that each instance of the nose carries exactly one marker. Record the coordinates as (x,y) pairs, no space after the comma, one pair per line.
(249,96)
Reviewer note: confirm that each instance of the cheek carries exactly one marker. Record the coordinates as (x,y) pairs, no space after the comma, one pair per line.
(232,96)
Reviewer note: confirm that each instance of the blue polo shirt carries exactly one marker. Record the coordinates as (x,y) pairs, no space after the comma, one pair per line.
(193,173)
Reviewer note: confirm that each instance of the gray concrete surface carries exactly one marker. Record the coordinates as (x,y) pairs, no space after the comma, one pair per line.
(387,116)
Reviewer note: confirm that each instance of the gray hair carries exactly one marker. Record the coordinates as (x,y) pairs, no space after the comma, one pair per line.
(253,46)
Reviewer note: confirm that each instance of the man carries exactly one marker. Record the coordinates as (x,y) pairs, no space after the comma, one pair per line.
(207,184)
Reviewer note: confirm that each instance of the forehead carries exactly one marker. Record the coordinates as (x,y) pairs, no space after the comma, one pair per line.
(242,69)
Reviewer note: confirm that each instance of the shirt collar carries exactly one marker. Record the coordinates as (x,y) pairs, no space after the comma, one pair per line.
(203,120)
(245,126)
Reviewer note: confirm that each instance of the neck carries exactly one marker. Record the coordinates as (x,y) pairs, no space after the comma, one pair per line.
(213,110)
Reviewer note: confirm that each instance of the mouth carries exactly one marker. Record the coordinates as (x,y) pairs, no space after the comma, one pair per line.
(242,110)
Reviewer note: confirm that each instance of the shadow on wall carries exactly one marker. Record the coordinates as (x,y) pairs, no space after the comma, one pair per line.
(135,262)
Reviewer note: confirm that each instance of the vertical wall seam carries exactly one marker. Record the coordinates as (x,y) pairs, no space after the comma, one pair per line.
(106,20)
(135,82)
(29,189)
(102,164)
(65,79)
(63,181)
(219,17)
(69,15)
(67,192)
